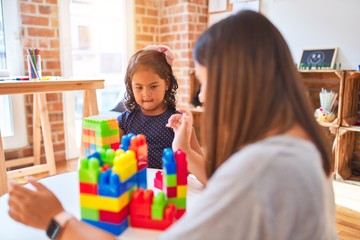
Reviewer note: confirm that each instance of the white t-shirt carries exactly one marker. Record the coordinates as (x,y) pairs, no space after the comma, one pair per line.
(274,189)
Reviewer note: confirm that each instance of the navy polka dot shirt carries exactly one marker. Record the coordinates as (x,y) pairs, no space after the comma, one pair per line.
(158,136)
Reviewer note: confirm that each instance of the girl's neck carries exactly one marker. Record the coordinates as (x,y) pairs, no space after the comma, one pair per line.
(154,112)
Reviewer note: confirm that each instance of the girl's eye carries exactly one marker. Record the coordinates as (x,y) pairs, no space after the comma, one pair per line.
(153,87)
(138,88)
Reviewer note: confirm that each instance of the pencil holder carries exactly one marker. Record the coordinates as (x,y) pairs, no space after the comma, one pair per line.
(34,66)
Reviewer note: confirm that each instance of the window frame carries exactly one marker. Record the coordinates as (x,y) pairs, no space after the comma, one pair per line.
(14,64)
(72,151)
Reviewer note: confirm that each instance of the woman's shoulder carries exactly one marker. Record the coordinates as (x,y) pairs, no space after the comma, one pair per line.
(276,153)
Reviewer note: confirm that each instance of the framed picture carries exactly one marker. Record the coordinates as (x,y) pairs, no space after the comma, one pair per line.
(318,58)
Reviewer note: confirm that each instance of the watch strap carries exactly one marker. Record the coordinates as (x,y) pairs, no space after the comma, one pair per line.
(62,218)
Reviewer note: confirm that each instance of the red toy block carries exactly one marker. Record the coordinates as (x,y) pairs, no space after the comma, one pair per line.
(181,163)
(114,217)
(158,180)
(169,218)
(171,192)
(91,133)
(179,213)
(115,146)
(182,179)
(105,167)
(141,201)
(86,144)
(90,188)
(85,131)
(139,146)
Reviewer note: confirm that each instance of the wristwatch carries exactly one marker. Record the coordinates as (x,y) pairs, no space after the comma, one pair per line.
(57,223)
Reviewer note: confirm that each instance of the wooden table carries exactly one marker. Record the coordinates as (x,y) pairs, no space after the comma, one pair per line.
(41,121)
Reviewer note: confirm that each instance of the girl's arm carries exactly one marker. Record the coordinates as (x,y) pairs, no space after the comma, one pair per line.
(185,139)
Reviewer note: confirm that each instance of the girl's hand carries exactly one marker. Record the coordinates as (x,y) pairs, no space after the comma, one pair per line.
(34,208)
(182,126)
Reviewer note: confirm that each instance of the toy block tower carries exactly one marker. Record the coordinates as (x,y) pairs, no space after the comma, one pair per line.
(175,179)
(99,132)
(105,190)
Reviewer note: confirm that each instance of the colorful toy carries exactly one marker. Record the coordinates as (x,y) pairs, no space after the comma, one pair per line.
(110,193)
(99,132)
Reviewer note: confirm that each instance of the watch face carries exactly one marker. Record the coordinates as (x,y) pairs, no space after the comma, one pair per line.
(53,229)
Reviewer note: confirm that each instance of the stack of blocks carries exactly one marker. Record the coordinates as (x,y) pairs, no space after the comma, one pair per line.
(112,184)
(99,132)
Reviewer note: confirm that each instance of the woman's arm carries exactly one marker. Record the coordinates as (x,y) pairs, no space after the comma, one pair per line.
(37,207)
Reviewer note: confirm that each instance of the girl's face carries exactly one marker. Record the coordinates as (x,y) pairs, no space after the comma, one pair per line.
(201,75)
(149,91)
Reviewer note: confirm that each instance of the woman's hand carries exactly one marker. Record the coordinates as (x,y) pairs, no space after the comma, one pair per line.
(34,208)
(182,126)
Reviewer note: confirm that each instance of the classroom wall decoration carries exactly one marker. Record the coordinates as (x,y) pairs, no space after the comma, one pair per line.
(318,58)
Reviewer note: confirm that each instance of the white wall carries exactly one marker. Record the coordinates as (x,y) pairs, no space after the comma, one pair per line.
(318,24)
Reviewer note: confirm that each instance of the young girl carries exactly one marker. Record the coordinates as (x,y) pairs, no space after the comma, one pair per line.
(150,99)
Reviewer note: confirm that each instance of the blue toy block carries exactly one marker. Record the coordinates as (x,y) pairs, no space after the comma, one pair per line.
(169,164)
(87,151)
(142,179)
(97,156)
(110,185)
(112,228)
(125,141)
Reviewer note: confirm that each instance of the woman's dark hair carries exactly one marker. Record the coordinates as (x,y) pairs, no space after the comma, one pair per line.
(155,61)
(252,88)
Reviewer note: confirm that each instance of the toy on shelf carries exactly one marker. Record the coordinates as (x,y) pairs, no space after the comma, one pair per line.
(328,102)
(113,193)
(99,132)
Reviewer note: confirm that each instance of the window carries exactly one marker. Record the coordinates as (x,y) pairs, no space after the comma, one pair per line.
(95,36)
(13,129)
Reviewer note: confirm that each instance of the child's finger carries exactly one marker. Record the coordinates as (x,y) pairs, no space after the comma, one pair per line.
(38,185)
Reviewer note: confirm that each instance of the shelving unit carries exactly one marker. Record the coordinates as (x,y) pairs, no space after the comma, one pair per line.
(342,133)
(348,149)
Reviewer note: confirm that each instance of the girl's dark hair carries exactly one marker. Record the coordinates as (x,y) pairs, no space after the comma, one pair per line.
(155,61)
(252,88)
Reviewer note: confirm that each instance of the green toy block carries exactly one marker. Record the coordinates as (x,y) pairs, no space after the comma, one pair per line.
(179,202)
(109,156)
(89,170)
(90,214)
(170,180)
(158,205)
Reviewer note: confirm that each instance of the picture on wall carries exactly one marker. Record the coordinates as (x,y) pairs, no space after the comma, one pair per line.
(318,58)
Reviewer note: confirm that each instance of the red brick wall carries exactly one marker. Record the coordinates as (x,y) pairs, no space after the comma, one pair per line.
(176,23)
(40,28)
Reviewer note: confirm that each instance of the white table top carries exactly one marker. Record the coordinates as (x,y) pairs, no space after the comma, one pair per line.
(66,188)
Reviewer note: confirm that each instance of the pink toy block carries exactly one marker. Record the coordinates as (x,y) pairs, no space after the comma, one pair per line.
(158,180)
(90,188)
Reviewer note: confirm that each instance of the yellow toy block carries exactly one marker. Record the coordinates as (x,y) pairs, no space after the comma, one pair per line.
(125,165)
(102,141)
(86,138)
(181,191)
(104,203)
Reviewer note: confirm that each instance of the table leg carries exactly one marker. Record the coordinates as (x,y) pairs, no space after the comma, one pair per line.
(36,130)
(90,107)
(46,131)
(3,175)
